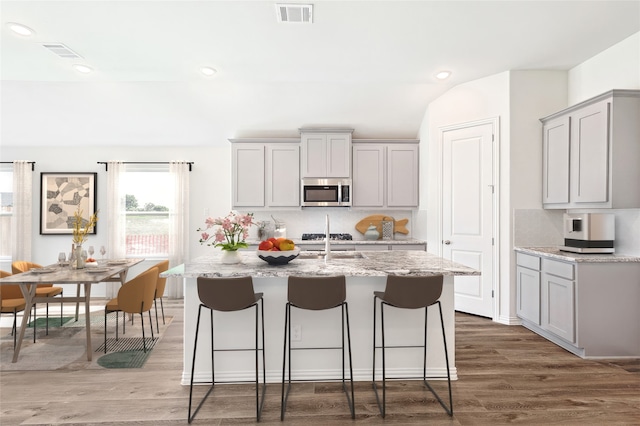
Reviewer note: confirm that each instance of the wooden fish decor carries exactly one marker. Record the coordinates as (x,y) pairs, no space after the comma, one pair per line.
(399,226)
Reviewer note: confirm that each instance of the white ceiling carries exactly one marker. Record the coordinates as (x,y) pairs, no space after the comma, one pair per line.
(364,65)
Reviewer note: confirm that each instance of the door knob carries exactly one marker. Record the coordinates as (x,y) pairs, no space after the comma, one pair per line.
(447,242)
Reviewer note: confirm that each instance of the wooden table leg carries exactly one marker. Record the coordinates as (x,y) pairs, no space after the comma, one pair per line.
(29,293)
(77,303)
(87,313)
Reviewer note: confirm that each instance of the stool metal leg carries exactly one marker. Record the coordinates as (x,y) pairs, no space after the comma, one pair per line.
(260,402)
(286,353)
(193,366)
(449,409)
(350,401)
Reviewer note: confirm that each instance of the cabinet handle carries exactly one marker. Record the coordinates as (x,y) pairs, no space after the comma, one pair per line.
(447,242)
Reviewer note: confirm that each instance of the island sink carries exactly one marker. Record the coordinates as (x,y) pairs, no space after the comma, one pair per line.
(332,255)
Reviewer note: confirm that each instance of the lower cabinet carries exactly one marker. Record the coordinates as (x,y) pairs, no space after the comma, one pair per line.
(588,308)
(557,307)
(528,294)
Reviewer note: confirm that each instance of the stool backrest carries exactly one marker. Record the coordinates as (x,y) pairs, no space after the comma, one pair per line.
(316,293)
(226,294)
(413,292)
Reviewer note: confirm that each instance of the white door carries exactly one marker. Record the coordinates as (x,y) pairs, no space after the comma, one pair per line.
(467,213)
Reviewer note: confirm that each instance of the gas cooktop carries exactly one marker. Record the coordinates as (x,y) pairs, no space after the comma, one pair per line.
(320,237)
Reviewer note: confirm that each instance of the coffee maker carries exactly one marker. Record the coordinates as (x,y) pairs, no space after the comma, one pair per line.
(589,232)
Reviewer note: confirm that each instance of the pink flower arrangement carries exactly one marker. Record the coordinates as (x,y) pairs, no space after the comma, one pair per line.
(231,232)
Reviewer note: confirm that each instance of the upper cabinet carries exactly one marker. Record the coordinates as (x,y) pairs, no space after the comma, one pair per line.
(591,153)
(326,153)
(266,174)
(385,174)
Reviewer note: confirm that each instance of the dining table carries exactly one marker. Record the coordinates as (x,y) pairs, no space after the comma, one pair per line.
(114,270)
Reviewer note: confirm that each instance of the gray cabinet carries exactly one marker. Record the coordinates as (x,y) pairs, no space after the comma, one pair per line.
(588,308)
(265,174)
(591,153)
(368,175)
(326,153)
(247,183)
(283,175)
(558,299)
(385,174)
(528,287)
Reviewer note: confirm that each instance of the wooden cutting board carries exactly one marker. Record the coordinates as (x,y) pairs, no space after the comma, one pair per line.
(399,226)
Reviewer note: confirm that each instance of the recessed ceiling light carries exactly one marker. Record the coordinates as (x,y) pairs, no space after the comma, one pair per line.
(20,29)
(442,75)
(208,71)
(84,69)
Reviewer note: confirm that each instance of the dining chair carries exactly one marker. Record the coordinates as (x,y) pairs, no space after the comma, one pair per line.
(159,293)
(42,290)
(11,301)
(134,297)
(409,292)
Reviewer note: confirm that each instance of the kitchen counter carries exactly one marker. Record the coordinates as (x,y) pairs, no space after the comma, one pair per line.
(555,253)
(372,264)
(364,276)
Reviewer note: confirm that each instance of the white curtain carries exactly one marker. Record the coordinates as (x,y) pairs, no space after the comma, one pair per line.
(116,219)
(178,225)
(22,212)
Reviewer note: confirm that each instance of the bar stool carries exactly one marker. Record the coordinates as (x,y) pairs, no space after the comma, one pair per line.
(409,292)
(229,295)
(316,293)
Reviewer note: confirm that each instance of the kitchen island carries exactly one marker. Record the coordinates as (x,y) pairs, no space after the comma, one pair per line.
(365,271)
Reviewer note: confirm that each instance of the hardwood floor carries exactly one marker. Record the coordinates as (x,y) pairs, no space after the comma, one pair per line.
(507,374)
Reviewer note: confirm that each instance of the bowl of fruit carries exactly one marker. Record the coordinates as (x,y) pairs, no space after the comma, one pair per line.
(277,251)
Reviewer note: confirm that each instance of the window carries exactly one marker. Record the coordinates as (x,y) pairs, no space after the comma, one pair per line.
(6,207)
(149,198)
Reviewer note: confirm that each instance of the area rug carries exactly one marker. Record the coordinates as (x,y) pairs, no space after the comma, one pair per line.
(65,346)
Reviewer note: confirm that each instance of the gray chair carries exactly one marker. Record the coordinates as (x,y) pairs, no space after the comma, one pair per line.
(316,293)
(229,295)
(409,292)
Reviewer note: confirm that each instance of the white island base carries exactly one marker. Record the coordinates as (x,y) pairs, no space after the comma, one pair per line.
(318,328)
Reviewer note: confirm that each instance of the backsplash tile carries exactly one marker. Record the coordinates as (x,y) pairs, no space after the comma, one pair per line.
(537,228)
(543,228)
(341,220)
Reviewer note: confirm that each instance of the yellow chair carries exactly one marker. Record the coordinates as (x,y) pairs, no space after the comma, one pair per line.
(134,297)
(42,290)
(11,301)
(159,293)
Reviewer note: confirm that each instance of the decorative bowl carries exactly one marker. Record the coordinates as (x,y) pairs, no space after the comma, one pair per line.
(278,257)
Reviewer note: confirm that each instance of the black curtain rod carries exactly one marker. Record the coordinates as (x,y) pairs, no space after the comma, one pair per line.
(33,163)
(106,165)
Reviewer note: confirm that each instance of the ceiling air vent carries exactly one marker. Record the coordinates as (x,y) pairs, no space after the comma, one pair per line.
(300,13)
(61,50)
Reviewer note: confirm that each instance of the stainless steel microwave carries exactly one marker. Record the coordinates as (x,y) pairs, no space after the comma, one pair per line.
(326,192)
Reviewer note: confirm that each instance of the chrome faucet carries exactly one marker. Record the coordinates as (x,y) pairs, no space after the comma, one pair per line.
(327,245)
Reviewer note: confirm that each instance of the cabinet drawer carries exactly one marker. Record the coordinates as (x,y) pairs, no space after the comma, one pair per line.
(559,269)
(528,261)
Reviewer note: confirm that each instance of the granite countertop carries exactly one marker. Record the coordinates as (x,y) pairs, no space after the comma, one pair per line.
(374,263)
(555,253)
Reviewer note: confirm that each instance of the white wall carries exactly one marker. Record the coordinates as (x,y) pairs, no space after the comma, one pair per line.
(615,68)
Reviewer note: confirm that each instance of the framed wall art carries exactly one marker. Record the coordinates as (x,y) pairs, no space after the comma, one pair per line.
(61,195)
